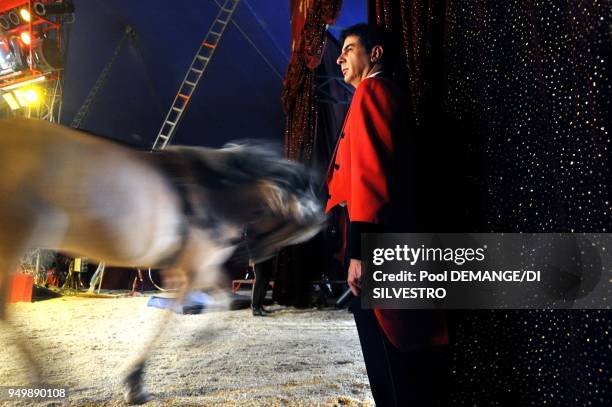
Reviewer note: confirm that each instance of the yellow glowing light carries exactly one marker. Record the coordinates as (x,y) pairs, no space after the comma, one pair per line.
(27,97)
(31,95)
(22,97)
(25,38)
(25,14)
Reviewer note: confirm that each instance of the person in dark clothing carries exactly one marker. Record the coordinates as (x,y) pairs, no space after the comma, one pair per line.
(263,274)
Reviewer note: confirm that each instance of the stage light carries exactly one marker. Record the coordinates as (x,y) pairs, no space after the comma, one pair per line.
(39,8)
(31,95)
(14,18)
(26,97)
(5,23)
(21,95)
(8,97)
(13,54)
(42,9)
(46,54)
(25,38)
(25,15)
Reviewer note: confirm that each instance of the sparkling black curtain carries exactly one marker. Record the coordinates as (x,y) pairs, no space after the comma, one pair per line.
(511,120)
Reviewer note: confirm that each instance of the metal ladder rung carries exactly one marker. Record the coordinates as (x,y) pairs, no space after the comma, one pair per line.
(213,41)
(194,73)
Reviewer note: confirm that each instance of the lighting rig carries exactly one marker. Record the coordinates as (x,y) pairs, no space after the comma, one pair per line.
(31,62)
(31,67)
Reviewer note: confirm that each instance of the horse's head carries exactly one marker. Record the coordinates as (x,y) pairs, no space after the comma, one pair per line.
(289,216)
(252,187)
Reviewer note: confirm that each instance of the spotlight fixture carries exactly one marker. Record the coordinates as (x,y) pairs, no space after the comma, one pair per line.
(46,54)
(39,8)
(26,97)
(25,38)
(13,56)
(21,97)
(31,95)
(63,7)
(30,33)
(14,18)
(25,15)
(5,23)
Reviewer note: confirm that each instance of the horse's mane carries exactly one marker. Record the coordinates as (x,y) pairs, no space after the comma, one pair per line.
(218,179)
(239,163)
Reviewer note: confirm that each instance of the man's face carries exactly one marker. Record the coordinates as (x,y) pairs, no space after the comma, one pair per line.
(354,61)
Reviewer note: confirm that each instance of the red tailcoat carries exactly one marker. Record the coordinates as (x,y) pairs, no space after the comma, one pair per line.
(360,173)
(364,175)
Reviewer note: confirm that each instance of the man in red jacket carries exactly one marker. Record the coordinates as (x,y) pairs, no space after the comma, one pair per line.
(404,350)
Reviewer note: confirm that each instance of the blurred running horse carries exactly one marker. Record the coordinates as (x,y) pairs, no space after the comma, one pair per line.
(182,210)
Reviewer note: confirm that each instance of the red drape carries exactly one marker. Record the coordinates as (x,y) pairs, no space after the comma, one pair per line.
(308,21)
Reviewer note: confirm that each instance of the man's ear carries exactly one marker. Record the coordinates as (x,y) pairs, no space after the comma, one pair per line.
(376,54)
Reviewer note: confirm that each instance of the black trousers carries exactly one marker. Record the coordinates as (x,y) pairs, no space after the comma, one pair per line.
(263,275)
(416,378)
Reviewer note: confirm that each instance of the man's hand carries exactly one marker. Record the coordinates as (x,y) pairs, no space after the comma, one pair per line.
(354,276)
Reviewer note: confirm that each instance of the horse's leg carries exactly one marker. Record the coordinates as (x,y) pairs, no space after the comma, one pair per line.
(200,264)
(11,248)
(134,391)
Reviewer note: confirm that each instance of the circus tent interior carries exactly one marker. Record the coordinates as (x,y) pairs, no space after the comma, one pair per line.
(507,108)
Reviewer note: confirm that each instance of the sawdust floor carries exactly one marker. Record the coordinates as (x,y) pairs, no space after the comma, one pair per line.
(221,358)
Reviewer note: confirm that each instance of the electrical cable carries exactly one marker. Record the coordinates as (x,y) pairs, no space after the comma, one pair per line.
(153,282)
(265,29)
(254,46)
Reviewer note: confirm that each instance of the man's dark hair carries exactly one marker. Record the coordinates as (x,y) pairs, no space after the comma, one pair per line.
(369,36)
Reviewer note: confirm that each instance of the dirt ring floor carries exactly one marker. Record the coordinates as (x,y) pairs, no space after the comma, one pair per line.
(224,358)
